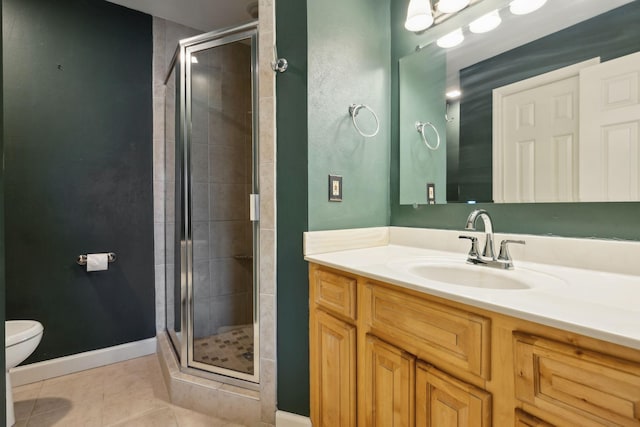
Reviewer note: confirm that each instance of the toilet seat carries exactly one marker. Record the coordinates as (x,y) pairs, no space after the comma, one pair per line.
(18,331)
(21,339)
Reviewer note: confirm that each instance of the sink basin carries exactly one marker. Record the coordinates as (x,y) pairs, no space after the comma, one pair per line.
(459,273)
(474,276)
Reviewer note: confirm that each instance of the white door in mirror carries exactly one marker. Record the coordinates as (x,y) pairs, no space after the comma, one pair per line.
(540,137)
(535,137)
(609,145)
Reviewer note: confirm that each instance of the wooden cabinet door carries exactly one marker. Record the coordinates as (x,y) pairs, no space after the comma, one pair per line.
(444,401)
(333,371)
(527,420)
(390,386)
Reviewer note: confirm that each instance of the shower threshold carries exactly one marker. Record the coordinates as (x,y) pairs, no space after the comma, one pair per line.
(207,393)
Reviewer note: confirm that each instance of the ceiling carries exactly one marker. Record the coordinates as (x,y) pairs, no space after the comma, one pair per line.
(204,15)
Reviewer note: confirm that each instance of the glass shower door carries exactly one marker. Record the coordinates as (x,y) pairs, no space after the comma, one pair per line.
(221,252)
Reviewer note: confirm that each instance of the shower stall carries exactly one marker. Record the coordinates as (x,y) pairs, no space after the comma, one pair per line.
(211,194)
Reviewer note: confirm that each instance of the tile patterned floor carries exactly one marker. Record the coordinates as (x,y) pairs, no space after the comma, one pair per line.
(232,349)
(130,393)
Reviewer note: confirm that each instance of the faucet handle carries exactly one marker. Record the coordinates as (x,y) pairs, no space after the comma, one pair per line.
(504,249)
(473,252)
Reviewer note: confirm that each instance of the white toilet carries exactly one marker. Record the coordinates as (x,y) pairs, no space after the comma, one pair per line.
(21,339)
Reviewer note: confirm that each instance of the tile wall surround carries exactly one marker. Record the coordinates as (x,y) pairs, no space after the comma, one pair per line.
(166,36)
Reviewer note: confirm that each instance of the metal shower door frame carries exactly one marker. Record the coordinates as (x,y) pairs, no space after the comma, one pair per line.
(186,49)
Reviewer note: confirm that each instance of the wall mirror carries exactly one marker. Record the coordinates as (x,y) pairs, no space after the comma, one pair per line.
(548,111)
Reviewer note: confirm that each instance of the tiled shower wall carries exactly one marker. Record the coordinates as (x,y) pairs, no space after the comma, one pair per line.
(166,36)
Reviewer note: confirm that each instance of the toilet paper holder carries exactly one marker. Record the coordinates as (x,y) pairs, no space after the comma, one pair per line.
(82,259)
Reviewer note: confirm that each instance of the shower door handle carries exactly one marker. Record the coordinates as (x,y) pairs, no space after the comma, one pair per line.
(254,207)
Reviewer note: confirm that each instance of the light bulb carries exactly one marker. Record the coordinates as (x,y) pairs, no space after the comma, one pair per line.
(522,7)
(485,23)
(453,94)
(419,16)
(452,39)
(452,6)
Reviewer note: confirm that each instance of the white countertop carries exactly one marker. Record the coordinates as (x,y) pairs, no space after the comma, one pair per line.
(596,303)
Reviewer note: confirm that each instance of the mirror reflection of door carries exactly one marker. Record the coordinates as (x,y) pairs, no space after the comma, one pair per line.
(536,144)
(610,115)
(540,143)
(569,135)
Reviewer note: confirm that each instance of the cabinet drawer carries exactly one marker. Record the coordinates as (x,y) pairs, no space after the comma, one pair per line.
(576,384)
(430,330)
(335,292)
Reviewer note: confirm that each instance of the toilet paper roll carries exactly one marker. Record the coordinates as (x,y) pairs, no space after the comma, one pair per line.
(97,262)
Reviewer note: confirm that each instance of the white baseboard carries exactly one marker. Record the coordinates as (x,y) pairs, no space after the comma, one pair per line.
(287,419)
(82,361)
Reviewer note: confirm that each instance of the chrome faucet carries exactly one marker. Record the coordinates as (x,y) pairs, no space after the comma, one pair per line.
(488,257)
(488,251)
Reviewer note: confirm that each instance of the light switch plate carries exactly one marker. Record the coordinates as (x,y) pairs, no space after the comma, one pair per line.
(431,193)
(335,188)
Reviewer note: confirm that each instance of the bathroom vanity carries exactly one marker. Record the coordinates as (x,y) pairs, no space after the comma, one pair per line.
(392,346)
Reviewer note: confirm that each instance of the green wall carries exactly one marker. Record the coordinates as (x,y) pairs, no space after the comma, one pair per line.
(338,54)
(293,294)
(600,220)
(348,57)
(78,173)
(420,165)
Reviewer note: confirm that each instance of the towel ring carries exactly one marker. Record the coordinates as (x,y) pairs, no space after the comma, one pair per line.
(420,128)
(353,112)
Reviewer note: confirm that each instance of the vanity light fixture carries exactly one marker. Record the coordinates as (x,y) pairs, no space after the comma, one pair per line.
(486,23)
(452,39)
(419,15)
(452,6)
(453,94)
(522,7)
